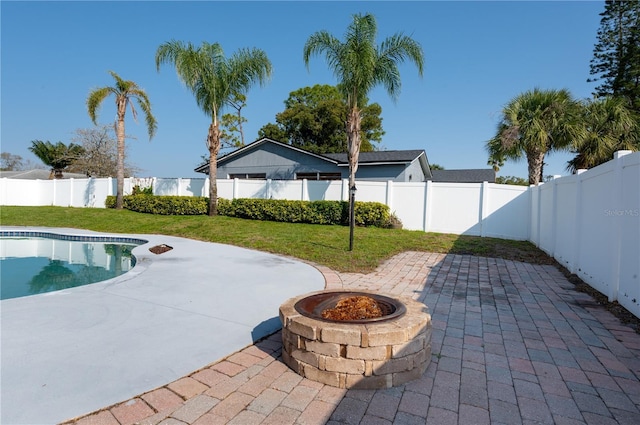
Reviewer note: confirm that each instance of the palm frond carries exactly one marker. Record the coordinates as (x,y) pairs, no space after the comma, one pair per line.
(94,101)
(359,64)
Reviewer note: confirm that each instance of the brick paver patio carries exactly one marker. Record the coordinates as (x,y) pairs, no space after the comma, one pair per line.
(512,343)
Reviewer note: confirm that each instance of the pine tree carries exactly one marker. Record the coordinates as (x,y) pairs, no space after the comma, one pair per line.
(616,55)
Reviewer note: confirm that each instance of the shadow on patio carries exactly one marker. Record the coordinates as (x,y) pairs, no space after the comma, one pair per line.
(512,342)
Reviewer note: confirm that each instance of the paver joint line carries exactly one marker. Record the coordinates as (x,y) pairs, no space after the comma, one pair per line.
(510,342)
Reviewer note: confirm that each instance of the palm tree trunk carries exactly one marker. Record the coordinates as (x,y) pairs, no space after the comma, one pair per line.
(120,134)
(213,142)
(353,143)
(535,161)
(353,151)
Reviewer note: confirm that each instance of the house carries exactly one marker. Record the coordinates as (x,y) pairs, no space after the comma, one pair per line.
(269,159)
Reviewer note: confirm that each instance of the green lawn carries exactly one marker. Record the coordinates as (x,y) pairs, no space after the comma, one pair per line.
(325,245)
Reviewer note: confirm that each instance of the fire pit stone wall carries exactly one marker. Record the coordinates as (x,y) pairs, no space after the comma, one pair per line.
(357,355)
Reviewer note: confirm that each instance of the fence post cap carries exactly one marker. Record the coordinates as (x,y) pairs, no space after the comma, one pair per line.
(620,154)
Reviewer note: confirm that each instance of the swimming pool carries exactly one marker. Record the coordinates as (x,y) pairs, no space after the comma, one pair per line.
(39,262)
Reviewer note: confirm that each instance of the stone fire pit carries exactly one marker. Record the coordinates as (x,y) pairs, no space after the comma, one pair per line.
(364,354)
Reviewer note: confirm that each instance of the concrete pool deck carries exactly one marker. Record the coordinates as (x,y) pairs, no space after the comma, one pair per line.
(70,352)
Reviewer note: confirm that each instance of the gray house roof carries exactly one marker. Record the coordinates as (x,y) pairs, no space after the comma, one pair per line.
(204,168)
(379,157)
(372,165)
(464,176)
(338,159)
(385,157)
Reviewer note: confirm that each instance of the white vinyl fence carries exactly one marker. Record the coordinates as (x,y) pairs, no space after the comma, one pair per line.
(590,222)
(482,209)
(65,193)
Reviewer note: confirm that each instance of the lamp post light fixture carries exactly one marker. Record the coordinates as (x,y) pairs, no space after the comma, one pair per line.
(352,214)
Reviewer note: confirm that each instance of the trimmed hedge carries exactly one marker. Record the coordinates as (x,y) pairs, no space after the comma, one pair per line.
(311,212)
(316,212)
(163,205)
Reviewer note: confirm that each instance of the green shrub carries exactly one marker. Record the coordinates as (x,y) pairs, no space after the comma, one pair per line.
(328,212)
(314,212)
(163,205)
(372,214)
(140,191)
(110,202)
(224,207)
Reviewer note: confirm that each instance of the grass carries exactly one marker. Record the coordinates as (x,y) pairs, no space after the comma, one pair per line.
(325,245)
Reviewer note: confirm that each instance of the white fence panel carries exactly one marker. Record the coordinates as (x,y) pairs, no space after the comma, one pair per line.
(327,190)
(179,187)
(565,227)
(25,192)
(100,189)
(534,223)
(251,189)
(546,214)
(194,187)
(370,191)
(505,212)
(596,227)
(225,188)
(78,192)
(455,208)
(62,192)
(47,192)
(408,202)
(166,187)
(284,189)
(627,221)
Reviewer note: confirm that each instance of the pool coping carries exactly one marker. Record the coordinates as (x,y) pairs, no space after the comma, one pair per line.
(75,238)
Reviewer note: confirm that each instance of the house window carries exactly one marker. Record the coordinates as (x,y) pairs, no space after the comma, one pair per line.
(318,176)
(253,176)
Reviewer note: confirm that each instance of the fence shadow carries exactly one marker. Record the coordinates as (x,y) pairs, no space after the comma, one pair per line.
(476,305)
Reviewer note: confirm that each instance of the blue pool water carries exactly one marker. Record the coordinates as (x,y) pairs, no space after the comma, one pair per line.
(35,263)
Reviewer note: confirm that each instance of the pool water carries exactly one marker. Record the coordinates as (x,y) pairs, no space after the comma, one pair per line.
(35,265)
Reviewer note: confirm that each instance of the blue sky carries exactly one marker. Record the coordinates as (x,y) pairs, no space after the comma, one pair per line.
(478,55)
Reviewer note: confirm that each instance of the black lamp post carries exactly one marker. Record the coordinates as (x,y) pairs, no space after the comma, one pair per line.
(352,214)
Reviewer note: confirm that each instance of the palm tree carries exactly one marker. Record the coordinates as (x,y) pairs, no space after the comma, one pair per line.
(533,124)
(610,126)
(124,92)
(58,156)
(216,82)
(360,65)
